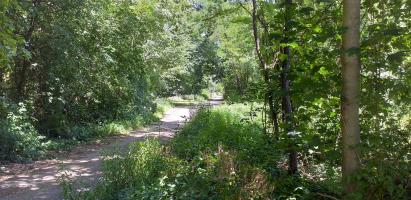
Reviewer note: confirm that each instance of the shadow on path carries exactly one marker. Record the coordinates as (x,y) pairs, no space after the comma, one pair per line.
(83,163)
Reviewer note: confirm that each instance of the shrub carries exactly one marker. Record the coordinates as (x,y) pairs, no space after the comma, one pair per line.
(230,126)
(162,105)
(218,164)
(221,154)
(205,93)
(19,140)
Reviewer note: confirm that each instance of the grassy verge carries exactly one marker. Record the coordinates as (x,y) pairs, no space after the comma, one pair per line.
(31,146)
(96,132)
(187,100)
(221,154)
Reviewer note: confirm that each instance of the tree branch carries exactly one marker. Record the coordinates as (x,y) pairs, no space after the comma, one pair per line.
(261,20)
(255,34)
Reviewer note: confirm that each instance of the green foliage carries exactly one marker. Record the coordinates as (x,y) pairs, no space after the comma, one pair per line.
(230,159)
(74,70)
(223,153)
(315,39)
(89,68)
(19,140)
(162,105)
(8,42)
(187,100)
(209,128)
(205,93)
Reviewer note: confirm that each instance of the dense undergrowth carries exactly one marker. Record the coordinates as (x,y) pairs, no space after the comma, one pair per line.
(20,141)
(221,154)
(224,154)
(71,71)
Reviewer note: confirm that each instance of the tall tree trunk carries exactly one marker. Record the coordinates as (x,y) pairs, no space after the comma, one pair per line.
(350,91)
(285,84)
(20,75)
(263,66)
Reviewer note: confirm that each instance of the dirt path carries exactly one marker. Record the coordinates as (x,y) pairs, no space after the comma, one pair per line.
(40,180)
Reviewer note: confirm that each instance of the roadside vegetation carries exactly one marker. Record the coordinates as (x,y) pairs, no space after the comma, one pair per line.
(73,71)
(21,142)
(317,94)
(224,153)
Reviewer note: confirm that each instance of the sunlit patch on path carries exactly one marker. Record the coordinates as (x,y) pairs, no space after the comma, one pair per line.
(40,180)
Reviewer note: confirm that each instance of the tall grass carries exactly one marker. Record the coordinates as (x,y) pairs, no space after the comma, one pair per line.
(222,153)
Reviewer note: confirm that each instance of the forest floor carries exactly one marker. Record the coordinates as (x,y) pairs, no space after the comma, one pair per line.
(40,180)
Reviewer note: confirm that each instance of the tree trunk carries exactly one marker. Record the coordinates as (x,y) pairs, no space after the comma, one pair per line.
(285,84)
(350,92)
(21,80)
(273,114)
(20,75)
(263,66)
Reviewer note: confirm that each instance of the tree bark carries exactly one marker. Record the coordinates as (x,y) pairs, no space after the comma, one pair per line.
(20,75)
(285,84)
(273,115)
(350,92)
(263,66)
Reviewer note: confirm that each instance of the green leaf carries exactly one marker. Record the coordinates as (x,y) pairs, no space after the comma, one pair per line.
(283,57)
(317,29)
(294,45)
(323,71)
(306,10)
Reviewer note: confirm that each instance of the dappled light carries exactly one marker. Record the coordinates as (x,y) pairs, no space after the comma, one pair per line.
(83,166)
(205,99)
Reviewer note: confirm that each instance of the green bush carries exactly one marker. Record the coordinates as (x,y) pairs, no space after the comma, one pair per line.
(205,93)
(19,140)
(216,156)
(229,126)
(134,174)
(162,105)
(223,153)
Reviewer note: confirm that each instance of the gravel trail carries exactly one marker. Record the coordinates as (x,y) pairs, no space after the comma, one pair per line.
(40,179)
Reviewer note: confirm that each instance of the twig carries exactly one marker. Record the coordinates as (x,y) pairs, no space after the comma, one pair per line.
(261,20)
